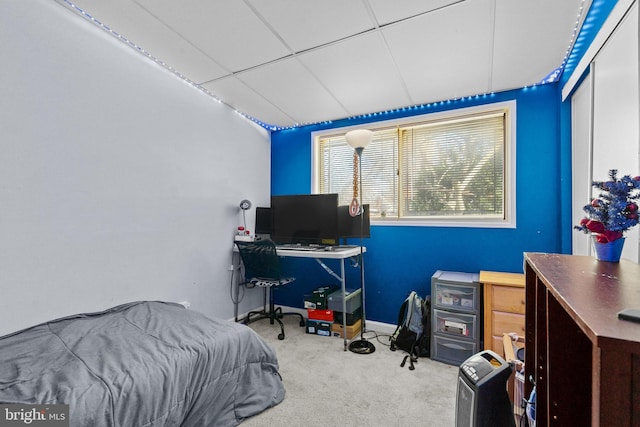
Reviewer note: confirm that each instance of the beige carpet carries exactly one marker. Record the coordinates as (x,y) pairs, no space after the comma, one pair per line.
(328,387)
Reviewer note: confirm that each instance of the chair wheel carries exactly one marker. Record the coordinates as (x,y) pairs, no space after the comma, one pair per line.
(280,336)
(302,323)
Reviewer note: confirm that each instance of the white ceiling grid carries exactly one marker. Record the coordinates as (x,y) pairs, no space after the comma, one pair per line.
(290,62)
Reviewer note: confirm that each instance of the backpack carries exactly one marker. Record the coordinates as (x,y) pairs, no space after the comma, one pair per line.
(423,345)
(413,333)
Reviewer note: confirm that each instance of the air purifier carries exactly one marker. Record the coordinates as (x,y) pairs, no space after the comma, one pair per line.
(482,399)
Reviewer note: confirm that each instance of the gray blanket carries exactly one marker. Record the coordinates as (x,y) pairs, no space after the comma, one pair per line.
(142,364)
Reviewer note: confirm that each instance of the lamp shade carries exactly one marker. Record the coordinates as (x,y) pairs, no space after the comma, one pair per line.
(359,138)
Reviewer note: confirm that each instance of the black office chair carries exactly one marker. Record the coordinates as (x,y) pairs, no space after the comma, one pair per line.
(262,269)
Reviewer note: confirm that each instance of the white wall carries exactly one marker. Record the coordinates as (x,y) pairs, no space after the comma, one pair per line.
(118,181)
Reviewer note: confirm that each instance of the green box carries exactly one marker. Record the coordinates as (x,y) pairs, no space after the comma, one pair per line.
(317,299)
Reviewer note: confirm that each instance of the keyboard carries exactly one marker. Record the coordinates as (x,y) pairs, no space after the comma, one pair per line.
(299,248)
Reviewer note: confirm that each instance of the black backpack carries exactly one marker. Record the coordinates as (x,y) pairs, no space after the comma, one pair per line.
(424,341)
(413,333)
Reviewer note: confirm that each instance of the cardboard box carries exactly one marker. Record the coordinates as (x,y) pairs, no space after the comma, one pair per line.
(319,327)
(315,314)
(352,330)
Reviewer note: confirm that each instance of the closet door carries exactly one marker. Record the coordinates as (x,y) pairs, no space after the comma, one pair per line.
(581,162)
(616,112)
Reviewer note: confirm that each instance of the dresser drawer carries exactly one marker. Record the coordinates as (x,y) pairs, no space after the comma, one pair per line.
(496,345)
(505,323)
(455,324)
(508,299)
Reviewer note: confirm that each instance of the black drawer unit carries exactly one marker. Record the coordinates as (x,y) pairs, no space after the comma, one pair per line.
(456,316)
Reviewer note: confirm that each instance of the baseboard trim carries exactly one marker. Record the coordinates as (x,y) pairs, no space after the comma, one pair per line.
(370,325)
(380,327)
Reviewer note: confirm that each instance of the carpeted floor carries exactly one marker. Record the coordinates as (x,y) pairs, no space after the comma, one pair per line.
(328,387)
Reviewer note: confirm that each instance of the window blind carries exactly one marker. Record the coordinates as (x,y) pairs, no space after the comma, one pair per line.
(455,167)
(452,166)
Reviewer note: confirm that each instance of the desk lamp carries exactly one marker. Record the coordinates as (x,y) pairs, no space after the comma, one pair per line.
(359,139)
(244,206)
(243,234)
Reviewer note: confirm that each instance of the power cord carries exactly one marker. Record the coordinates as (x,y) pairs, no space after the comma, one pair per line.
(377,337)
(240,288)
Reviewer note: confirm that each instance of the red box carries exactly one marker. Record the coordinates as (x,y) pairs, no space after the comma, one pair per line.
(315,314)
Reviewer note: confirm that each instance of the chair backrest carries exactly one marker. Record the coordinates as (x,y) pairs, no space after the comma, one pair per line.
(260,259)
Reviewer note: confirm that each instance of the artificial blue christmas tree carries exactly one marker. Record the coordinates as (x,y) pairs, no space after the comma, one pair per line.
(612,212)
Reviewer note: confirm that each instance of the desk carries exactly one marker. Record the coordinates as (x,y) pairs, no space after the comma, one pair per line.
(338,252)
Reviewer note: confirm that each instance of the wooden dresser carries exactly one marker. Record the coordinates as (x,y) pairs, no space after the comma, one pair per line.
(585,361)
(504,307)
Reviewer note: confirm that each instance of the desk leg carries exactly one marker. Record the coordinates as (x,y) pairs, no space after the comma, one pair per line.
(344,302)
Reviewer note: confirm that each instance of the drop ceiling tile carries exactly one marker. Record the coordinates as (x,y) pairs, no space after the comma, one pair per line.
(359,73)
(245,100)
(293,89)
(391,11)
(445,54)
(433,50)
(305,24)
(228,31)
(138,26)
(530,42)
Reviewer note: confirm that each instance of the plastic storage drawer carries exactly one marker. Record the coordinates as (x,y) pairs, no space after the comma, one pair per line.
(456,297)
(452,351)
(354,300)
(456,324)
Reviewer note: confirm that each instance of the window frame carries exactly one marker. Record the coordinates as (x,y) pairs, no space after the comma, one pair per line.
(509,220)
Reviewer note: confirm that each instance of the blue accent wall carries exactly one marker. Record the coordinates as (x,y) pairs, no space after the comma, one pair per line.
(403,258)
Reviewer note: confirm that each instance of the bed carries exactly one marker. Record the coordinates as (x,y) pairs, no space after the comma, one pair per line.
(142,364)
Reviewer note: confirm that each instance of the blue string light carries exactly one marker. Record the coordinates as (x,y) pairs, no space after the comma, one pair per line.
(552,77)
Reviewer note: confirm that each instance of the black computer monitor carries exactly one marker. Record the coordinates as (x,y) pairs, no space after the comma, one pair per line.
(349,226)
(305,219)
(264,224)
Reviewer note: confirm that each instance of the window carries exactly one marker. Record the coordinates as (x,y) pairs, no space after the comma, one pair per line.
(451,168)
